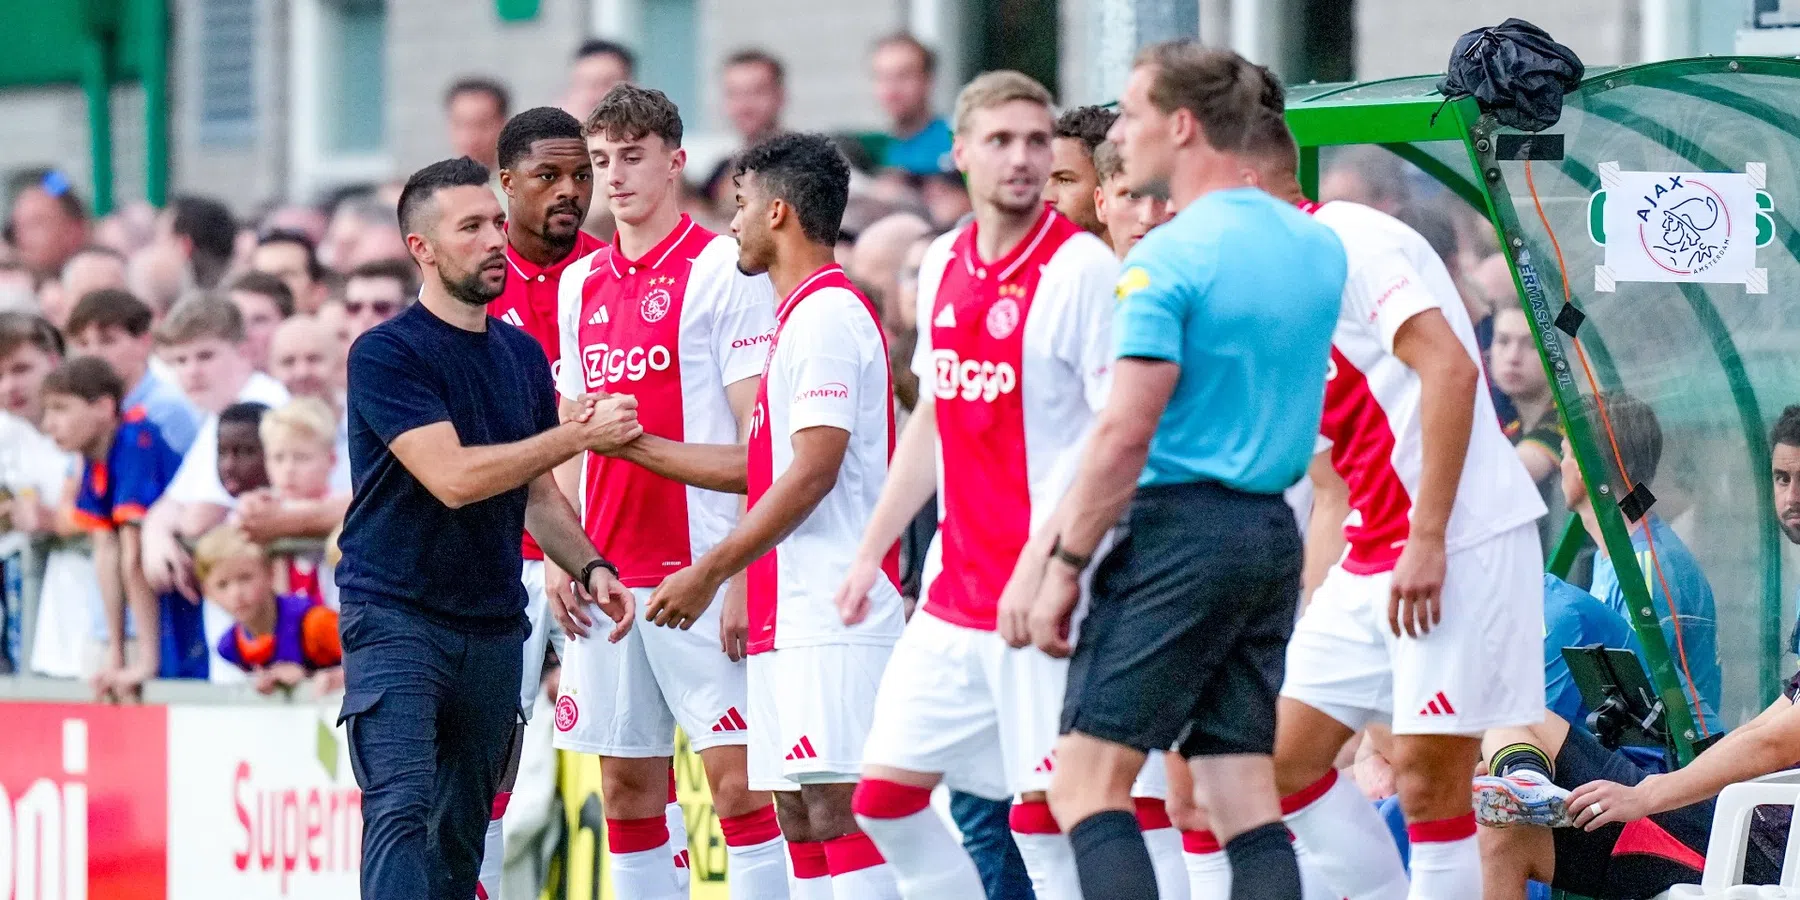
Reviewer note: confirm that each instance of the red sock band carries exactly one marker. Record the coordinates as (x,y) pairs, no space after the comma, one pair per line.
(1152,814)
(636,835)
(751,828)
(880,799)
(1308,795)
(672,797)
(1032,818)
(851,853)
(1455,828)
(1200,842)
(808,858)
(500,801)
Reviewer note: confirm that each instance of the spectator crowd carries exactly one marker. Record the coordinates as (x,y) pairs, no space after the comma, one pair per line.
(173,378)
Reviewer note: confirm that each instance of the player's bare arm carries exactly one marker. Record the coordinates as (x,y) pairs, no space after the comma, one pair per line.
(553,524)
(734,619)
(818,455)
(459,475)
(1103,488)
(912,478)
(557,582)
(1325,528)
(714,467)
(1013,617)
(1765,745)
(1448,379)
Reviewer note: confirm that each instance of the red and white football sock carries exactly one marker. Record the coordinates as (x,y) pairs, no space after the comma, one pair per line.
(678,836)
(1046,852)
(1208,870)
(1164,844)
(1445,859)
(925,857)
(857,870)
(755,854)
(638,852)
(1338,831)
(493,851)
(809,874)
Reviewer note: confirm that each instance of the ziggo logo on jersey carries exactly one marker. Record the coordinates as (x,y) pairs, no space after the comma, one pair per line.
(972,379)
(605,365)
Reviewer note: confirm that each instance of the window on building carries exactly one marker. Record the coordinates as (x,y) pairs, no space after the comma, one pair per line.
(352,90)
(227,38)
(1023,35)
(668,57)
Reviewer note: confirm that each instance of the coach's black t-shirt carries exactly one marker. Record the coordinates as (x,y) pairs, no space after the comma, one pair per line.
(401,545)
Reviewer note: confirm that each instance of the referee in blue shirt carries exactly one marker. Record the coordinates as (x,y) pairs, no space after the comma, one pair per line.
(453,431)
(1222,335)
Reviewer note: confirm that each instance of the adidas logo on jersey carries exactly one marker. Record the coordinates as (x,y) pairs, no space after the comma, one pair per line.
(803,750)
(600,317)
(1439,706)
(946,318)
(732,720)
(511,317)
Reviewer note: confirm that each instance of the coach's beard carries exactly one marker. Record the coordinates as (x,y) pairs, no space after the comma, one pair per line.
(472,289)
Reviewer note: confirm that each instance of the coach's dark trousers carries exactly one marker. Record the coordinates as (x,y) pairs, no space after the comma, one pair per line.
(430,711)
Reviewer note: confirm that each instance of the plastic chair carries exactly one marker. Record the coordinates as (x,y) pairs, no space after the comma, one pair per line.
(1730,841)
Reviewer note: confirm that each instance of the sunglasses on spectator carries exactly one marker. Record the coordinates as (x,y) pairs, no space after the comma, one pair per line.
(383,308)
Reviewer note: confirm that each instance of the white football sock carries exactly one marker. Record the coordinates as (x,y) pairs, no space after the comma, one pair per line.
(678,840)
(857,870)
(1445,859)
(1340,832)
(756,856)
(640,857)
(926,859)
(1208,869)
(493,853)
(1171,870)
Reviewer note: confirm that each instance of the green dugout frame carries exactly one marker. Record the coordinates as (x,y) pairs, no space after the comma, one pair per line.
(1713,361)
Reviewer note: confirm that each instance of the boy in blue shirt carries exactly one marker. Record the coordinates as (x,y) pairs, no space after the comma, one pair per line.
(126,464)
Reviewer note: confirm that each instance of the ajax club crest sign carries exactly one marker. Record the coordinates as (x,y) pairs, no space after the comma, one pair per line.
(1681,226)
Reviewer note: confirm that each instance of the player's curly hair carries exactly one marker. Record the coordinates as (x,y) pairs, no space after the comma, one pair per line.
(543,123)
(1087,124)
(808,172)
(628,112)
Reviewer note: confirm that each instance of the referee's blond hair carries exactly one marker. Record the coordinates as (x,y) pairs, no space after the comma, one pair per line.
(998,88)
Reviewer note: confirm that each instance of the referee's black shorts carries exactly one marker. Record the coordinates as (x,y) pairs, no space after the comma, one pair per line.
(1185,642)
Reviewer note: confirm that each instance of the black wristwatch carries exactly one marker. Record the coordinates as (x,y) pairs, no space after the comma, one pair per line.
(598,562)
(1077,562)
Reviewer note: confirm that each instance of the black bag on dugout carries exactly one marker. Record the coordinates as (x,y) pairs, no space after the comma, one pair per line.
(1515,71)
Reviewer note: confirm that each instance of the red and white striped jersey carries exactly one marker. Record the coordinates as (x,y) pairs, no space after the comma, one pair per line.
(529,302)
(829,368)
(1017,355)
(672,329)
(1372,416)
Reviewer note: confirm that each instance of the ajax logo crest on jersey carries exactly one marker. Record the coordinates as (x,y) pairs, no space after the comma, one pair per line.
(1003,316)
(658,301)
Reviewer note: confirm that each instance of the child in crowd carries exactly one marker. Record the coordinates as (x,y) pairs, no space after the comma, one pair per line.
(299,440)
(126,466)
(281,640)
(240,465)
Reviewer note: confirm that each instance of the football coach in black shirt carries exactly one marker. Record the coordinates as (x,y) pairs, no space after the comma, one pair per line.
(453,433)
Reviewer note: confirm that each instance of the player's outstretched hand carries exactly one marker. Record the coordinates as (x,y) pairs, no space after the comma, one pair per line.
(615,600)
(853,595)
(566,603)
(1055,607)
(681,598)
(1019,598)
(1415,601)
(608,422)
(734,621)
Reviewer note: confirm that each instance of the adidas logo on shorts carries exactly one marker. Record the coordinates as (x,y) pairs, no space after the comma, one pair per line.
(1045,767)
(732,720)
(803,750)
(1439,706)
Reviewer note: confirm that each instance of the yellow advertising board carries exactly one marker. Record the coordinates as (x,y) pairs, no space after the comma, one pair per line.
(583,867)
